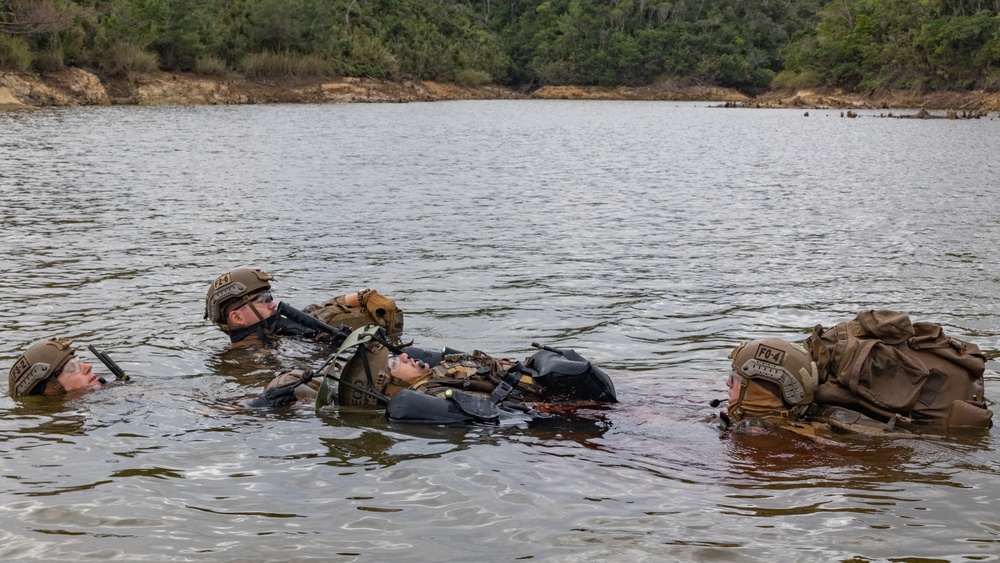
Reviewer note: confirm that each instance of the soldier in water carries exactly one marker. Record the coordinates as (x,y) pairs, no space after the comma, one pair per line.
(451,387)
(878,374)
(240,303)
(50,368)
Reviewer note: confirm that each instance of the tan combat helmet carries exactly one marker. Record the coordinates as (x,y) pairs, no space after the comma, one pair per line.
(778,379)
(239,285)
(41,362)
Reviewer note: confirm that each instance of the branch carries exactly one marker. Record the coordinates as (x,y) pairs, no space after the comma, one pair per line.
(25,17)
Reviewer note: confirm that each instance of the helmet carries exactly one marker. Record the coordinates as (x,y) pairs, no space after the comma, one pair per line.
(782,370)
(236,285)
(41,361)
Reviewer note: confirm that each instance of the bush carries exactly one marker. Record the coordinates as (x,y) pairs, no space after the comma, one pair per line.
(991,82)
(122,60)
(271,65)
(472,77)
(208,65)
(262,65)
(314,65)
(367,55)
(49,61)
(792,80)
(15,54)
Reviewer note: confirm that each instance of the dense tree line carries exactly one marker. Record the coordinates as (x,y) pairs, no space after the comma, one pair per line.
(746,44)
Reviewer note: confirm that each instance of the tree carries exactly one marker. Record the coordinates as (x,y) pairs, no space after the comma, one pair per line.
(27,17)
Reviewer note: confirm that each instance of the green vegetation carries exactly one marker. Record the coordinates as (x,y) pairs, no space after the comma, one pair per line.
(751,45)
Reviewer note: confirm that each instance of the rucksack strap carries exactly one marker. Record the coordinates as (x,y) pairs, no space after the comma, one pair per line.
(858,363)
(506,385)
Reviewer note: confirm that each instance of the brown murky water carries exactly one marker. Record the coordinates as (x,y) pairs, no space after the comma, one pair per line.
(651,237)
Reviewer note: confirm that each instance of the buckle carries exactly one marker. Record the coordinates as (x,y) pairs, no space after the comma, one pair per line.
(501,392)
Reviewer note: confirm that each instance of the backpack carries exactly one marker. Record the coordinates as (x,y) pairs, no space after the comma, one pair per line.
(568,375)
(335,312)
(883,365)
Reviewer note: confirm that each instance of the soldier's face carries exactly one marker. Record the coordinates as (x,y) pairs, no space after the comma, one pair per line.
(406,368)
(734,385)
(78,375)
(264,305)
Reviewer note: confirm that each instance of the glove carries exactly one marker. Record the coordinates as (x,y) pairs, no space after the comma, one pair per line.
(275,397)
(810,381)
(380,307)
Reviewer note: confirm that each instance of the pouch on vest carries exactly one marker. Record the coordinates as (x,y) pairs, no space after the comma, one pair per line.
(966,414)
(335,312)
(415,407)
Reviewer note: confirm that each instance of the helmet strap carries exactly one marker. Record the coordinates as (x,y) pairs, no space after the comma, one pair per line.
(247,301)
(56,385)
(786,414)
(263,334)
(738,411)
(260,323)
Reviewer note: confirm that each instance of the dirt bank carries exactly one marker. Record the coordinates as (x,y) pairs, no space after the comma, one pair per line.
(665,92)
(77,87)
(969,102)
(973,101)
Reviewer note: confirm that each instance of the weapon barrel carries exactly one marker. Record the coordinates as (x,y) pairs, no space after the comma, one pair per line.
(548,348)
(339,334)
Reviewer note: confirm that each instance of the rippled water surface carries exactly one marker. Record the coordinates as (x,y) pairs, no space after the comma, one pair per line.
(650,237)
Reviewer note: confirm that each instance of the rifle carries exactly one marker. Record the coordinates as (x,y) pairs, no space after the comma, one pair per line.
(118,372)
(547,348)
(287,317)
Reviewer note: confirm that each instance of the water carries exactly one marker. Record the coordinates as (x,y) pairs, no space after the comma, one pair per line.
(651,237)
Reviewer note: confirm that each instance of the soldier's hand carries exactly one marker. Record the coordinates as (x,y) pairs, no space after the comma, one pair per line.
(380,307)
(275,397)
(810,379)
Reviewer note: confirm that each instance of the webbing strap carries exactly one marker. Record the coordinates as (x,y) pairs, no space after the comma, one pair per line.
(363,350)
(379,336)
(506,385)
(858,363)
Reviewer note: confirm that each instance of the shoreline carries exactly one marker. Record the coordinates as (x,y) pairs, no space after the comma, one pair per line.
(77,87)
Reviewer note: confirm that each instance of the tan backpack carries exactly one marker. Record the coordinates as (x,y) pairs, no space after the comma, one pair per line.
(883,365)
(335,312)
